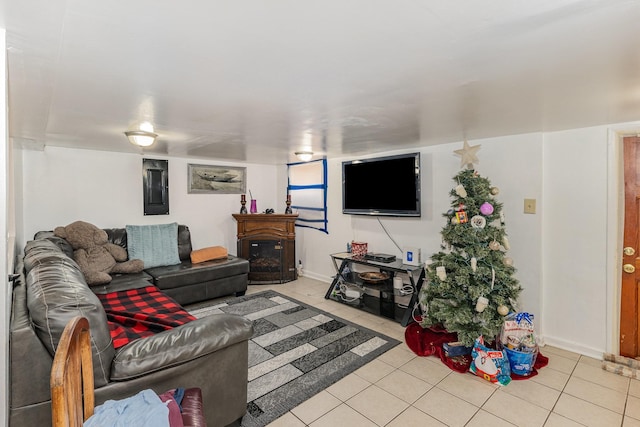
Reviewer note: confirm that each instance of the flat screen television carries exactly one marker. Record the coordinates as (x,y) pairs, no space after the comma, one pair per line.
(382,186)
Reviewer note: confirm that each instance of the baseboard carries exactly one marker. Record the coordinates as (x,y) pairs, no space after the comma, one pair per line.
(574,347)
(315,276)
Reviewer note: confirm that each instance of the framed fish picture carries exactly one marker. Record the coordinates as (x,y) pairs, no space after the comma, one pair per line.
(211,179)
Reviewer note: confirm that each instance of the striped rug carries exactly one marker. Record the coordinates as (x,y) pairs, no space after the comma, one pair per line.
(296,351)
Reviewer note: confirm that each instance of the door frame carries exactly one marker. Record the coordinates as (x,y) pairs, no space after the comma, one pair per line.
(615,228)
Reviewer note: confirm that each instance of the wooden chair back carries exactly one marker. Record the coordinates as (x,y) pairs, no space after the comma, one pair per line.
(72,398)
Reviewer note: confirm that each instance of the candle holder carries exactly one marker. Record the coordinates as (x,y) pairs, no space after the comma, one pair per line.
(288,208)
(243,202)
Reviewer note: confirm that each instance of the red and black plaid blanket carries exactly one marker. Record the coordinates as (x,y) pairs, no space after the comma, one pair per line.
(139,313)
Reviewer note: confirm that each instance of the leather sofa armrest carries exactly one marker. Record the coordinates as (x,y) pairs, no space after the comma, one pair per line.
(179,345)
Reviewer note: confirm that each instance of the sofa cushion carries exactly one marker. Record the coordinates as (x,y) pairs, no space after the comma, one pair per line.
(184,242)
(156,245)
(123,282)
(30,362)
(117,236)
(191,294)
(59,242)
(174,276)
(56,293)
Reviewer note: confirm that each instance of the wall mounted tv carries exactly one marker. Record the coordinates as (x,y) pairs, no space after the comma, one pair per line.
(382,186)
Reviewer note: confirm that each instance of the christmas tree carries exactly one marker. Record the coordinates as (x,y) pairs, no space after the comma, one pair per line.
(470,284)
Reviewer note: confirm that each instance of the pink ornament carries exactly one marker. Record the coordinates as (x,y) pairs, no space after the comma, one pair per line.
(486,208)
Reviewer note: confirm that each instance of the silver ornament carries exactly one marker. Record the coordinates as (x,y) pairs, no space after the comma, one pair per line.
(478,221)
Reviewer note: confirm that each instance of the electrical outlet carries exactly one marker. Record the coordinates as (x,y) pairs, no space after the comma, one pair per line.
(529,206)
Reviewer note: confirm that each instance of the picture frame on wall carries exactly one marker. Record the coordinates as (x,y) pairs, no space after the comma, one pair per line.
(212,179)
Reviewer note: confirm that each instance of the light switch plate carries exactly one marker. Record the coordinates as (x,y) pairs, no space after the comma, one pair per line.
(529,206)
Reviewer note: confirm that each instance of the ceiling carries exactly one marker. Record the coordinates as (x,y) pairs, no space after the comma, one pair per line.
(254,80)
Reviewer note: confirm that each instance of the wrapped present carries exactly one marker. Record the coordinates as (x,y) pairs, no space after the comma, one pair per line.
(519,341)
(490,364)
(456,348)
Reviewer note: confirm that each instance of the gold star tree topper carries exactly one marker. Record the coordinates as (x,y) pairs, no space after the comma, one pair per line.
(468,155)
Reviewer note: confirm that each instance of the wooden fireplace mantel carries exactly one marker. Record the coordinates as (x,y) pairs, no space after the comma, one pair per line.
(275,225)
(272,233)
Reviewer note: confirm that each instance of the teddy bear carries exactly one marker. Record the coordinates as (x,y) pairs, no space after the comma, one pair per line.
(95,255)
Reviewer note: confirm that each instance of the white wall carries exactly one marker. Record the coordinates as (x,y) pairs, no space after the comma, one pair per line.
(8,233)
(562,253)
(575,239)
(513,164)
(63,185)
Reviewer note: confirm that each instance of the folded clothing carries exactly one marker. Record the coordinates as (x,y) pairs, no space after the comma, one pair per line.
(208,254)
(143,409)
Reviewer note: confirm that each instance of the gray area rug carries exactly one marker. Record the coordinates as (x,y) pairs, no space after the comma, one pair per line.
(296,351)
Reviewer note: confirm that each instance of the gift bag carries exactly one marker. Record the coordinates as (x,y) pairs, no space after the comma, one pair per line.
(518,340)
(490,364)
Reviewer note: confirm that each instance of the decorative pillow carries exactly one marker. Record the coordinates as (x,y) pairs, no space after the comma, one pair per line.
(208,254)
(156,245)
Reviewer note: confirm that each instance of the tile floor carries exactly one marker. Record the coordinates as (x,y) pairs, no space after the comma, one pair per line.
(399,389)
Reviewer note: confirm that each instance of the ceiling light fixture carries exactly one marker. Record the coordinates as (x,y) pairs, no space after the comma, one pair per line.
(144,137)
(304,156)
